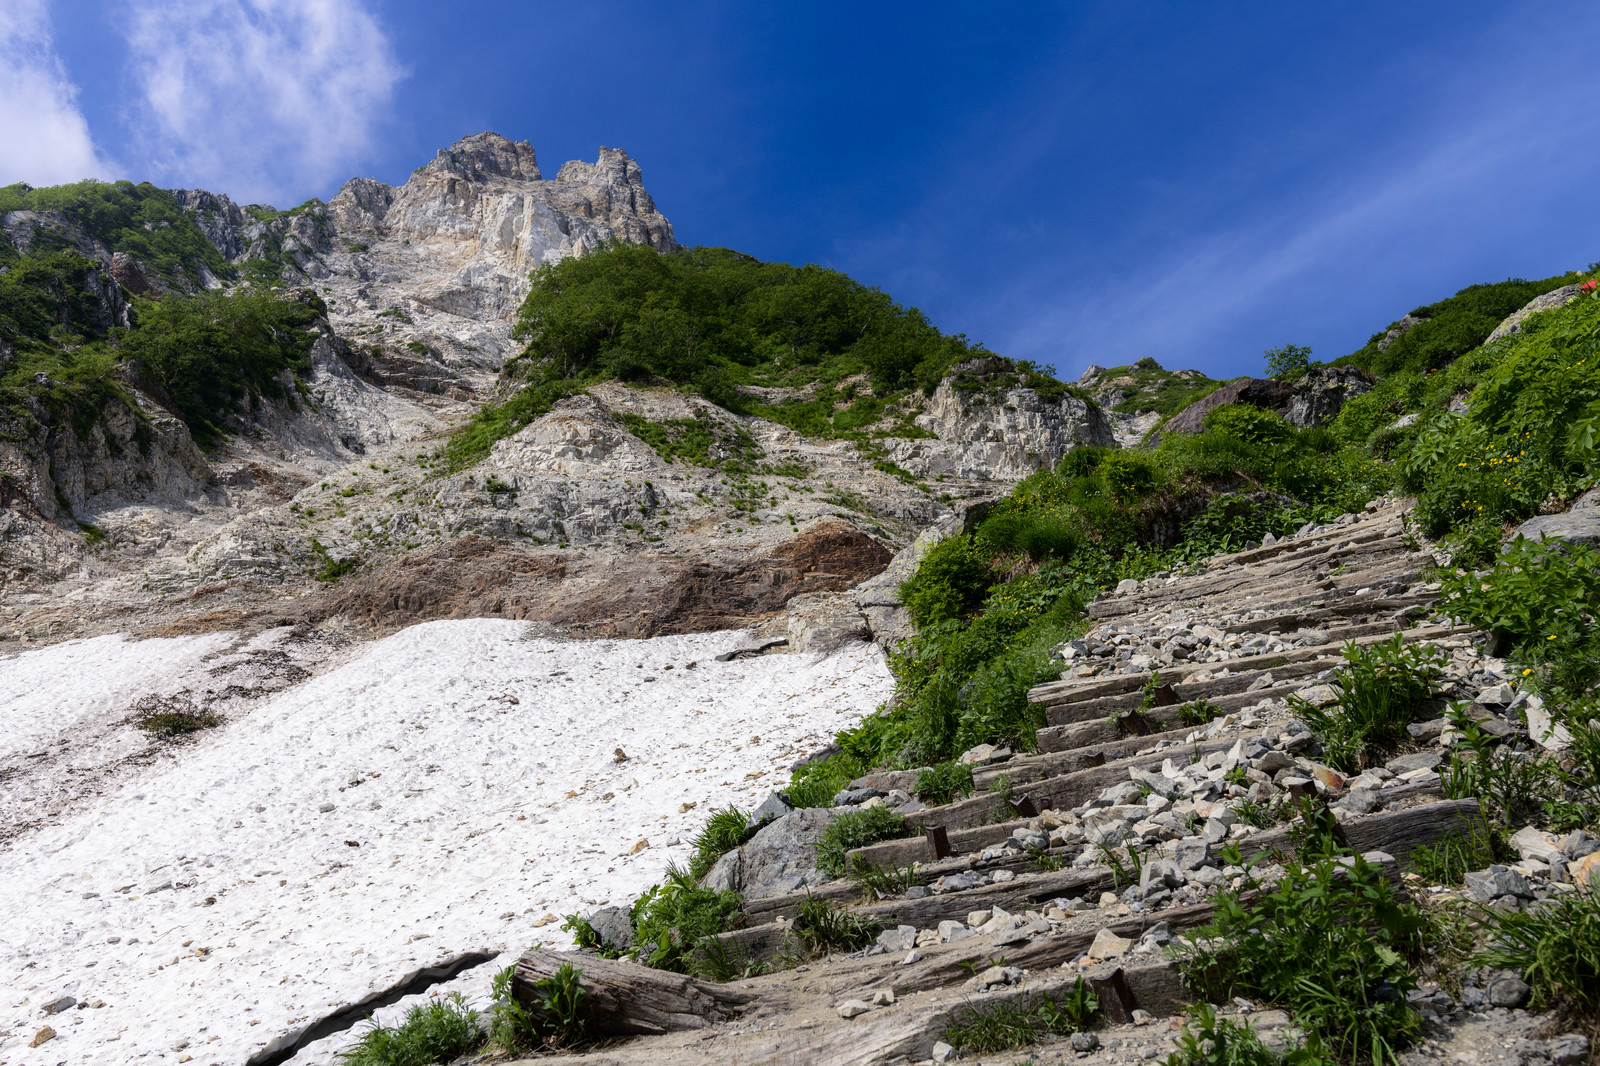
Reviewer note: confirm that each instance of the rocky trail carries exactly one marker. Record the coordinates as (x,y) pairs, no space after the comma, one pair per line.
(1171,763)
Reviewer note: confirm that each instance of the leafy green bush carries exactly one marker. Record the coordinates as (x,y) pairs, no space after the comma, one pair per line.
(1207,1040)
(1379,690)
(857,829)
(724,830)
(214,350)
(438,1032)
(714,320)
(1531,431)
(170,717)
(1541,601)
(558,1020)
(1330,942)
(671,919)
(945,782)
(948,584)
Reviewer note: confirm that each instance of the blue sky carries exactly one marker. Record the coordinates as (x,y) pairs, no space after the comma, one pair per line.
(1072,183)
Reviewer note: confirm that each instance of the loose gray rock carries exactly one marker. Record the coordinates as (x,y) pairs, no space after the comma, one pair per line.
(1508,990)
(614,926)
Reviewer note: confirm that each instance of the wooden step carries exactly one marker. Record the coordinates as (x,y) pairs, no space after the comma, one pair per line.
(1070,690)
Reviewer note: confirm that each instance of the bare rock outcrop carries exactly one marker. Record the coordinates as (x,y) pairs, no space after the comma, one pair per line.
(1320,394)
(1258,392)
(999,430)
(1513,322)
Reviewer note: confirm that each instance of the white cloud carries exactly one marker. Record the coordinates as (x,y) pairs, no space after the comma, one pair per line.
(44,139)
(260,99)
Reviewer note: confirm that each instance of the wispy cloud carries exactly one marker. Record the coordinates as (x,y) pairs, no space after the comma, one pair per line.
(260,99)
(44,139)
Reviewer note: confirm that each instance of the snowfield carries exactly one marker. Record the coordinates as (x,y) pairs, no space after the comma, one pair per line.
(452,788)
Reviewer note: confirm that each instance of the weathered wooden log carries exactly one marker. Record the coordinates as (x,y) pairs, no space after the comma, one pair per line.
(1071,690)
(626,999)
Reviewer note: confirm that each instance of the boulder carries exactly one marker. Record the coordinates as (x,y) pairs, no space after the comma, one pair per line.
(1580,525)
(1258,392)
(1513,322)
(780,858)
(1319,395)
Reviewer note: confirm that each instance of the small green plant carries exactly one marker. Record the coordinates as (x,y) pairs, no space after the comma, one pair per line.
(438,1032)
(945,782)
(1555,946)
(1379,691)
(332,569)
(1198,712)
(880,882)
(1446,862)
(1043,860)
(857,829)
(511,1027)
(1514,785)
(170,717)
(824,927)
(586,938)
(1003,1026)
(496,487)
(1123,873)
(1207,1040)
(724,830)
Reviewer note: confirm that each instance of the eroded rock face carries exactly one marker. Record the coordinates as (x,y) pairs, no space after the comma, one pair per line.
(1321,393)
(1002,433)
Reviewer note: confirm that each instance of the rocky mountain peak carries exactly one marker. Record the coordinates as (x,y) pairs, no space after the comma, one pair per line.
(482,156)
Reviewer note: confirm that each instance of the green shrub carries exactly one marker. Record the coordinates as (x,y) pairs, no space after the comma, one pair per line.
(211,352)
(1532,429)
(945,782)
(1380,690)
(1207,1040)
(1453,326)
(1330,942)
(438,1032)
(857,829)
(724,830)
(671,919)
(1541,601)
(170,717)
(557,1022)
(948,583)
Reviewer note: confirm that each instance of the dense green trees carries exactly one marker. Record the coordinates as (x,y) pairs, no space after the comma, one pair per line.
(212,351)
